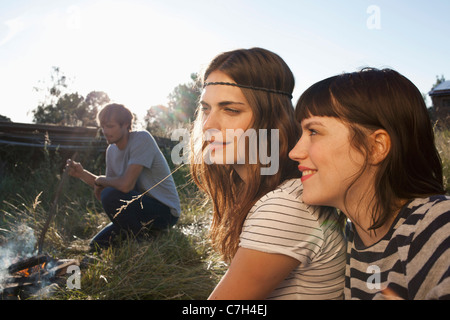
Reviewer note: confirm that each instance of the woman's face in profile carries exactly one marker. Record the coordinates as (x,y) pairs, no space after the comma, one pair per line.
(226,115)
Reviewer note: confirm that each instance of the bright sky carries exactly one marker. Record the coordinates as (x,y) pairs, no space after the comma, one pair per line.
(137,51)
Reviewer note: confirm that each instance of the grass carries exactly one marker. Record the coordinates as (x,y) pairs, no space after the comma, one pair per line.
(177,264)
(443,146)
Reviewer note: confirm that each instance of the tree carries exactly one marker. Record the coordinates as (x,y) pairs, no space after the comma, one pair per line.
(183,101)
(95,101)
(180,109)
(64,108)
(71,109)
(4,118)
(56,88)
(65,111)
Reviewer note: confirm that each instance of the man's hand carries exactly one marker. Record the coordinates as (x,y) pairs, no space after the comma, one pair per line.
(74,169)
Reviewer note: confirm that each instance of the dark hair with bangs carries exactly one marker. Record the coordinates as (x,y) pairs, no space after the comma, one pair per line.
(375,99)
(231,198)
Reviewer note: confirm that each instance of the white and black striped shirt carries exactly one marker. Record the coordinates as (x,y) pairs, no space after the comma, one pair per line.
(281,223)
(412,260)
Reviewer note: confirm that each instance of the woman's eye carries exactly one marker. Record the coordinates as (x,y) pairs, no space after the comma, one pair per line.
(312,132)
(232,110)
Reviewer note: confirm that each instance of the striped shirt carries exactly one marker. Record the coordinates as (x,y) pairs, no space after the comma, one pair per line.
(281,223)
(412,260)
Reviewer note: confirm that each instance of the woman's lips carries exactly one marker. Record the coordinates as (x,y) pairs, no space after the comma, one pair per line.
(306,173)
(218,145)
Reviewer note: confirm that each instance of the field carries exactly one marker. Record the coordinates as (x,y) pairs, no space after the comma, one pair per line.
(443,145)
(177,264)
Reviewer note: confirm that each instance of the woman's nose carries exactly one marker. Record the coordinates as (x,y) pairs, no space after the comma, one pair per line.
(210,121)
(298,152)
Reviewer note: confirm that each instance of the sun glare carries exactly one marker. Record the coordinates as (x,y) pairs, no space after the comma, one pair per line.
(135,51)
(130,51)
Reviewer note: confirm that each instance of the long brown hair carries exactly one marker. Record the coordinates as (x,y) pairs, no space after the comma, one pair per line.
(375,99)
(232,199)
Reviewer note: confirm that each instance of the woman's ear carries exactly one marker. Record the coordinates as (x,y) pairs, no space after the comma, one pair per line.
(380,146)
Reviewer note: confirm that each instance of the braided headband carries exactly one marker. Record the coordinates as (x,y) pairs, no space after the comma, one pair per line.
(247,87)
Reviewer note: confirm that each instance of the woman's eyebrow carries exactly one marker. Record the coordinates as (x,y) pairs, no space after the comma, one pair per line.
(222,104)
(227,103)
(203,103)
(308,124)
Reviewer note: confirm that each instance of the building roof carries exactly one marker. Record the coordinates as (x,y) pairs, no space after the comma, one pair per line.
(441,89)
(52,137)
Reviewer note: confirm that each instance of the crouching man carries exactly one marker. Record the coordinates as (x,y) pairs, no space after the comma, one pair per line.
(134,164)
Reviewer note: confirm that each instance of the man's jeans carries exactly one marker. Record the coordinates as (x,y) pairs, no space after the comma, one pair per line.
(137,218)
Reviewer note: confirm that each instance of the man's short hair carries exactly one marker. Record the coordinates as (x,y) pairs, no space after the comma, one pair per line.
(116,112)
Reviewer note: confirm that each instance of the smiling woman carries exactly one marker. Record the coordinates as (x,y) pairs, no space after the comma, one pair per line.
(323,147)
(368,149)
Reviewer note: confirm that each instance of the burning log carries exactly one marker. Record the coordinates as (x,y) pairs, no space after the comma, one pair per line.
(31,275)
(28,263)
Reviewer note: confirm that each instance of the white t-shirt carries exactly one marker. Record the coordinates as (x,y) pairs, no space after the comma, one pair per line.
(281,223)
(142,149)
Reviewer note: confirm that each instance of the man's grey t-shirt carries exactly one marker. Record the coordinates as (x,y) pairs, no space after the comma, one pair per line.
(142,149)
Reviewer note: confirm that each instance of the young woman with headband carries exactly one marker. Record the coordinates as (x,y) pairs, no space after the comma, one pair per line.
(276,246)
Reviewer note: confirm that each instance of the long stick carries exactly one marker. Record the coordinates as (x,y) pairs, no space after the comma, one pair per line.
(53,207)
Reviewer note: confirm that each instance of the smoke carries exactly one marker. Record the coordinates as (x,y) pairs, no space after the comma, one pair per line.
(19,246)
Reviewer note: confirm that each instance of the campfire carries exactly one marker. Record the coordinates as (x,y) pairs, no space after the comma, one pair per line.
(39,274)
(35,276)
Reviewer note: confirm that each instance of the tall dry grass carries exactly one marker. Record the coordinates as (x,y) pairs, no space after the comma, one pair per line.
(442,137)
(176,264)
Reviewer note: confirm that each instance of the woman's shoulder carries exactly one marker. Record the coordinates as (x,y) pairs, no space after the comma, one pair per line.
(285,200)
(421,240)
(420,209)
(289,189)
(422,218)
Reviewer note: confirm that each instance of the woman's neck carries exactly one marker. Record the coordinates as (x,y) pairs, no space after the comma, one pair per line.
(369,237)
(363,221)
